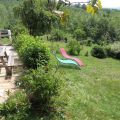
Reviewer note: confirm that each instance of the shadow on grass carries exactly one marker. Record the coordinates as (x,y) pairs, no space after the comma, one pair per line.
(51,114)
(69,67)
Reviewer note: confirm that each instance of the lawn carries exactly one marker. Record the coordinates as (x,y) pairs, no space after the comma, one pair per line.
(92,93)
(5,41)
(89,93)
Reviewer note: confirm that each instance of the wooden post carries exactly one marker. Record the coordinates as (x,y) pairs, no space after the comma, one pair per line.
(8,69)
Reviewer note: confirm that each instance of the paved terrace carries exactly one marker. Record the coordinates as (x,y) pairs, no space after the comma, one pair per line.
(8,85)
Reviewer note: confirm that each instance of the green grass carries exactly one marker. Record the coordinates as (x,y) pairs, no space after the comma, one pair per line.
(5,41)
(92,93)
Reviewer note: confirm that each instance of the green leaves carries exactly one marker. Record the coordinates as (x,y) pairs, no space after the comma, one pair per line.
(74,47)
(16,106)
(98,52)
(33,52)
(41,86)
(36,16)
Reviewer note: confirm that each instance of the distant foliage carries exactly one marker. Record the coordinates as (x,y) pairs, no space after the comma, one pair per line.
(57,35)
(98,52)
(88,41)
(32,51)
(79,34)
(6,12)
(74,47)
(101,30)
(35,16)
(3,15)
(18,29)
(114,50)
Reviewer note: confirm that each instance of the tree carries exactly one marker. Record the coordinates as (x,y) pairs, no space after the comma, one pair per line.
(3,15)
(36,16)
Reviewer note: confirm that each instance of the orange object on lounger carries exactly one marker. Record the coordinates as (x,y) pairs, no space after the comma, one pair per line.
(64,53)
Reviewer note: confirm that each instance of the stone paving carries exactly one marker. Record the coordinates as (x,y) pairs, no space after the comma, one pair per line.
(6,85)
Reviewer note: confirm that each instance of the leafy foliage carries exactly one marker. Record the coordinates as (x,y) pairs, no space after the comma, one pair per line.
(57,35)
(114,50)
(6,12)
(35,16)
(16,107)
(79,34)
(41,86)
(98,52)
(18,29)
(100,30)
(32,51)
(74,47)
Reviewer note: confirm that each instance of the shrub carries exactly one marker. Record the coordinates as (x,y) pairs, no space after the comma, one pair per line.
(41,86)
(19,29)
(32,51)
(16,107)
(101,30)
(57,35)
(98,51)
(20,40)
(114,50)
(79,34)
(87,42)
(35,16)
(74,47)
(87,54)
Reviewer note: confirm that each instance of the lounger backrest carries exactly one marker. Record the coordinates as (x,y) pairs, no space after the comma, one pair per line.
(64,53)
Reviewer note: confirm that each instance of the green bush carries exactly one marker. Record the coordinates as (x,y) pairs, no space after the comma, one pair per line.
(79,34)
(57,35)
(101,30)
(20,40)
(35,15)
(16,107)
(41,86)
(87,42)
(19,29)
(98,52)
(87,53)
(74,47)
(33,51)
(114,50)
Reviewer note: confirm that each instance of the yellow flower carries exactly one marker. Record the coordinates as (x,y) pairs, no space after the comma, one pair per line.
(90,9)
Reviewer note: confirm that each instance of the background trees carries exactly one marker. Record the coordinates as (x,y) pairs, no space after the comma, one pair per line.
(36,16)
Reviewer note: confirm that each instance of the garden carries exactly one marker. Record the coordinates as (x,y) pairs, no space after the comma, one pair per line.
(52,86)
